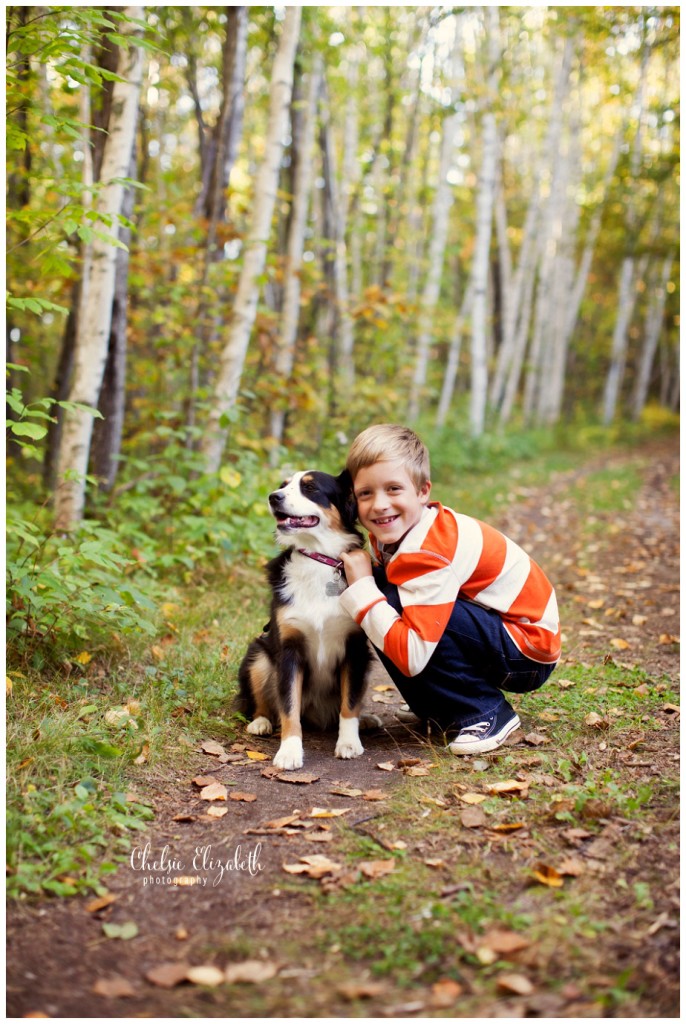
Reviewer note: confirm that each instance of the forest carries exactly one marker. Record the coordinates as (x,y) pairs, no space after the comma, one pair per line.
(237,236)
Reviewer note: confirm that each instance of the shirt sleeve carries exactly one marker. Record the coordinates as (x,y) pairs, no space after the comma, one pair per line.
(427,597)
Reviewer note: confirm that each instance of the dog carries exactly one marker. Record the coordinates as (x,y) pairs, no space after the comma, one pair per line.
(311,661)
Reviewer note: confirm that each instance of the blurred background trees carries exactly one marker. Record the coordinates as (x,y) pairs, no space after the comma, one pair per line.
(330,216)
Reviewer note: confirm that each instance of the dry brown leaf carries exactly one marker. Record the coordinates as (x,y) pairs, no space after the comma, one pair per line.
(245,797)
(619,644)
(217,791)
(342,790)
(383,687)
(386,766)
(518,984)
(472,798)
(143,756)
(548,875)
(101,902)
(444,993)
(508,826)
(508,787)
(352,990)
(571,866)
(289,819)
(299,778)
(407,762)
(185,817)
(434,862)
(566,683)
(376,868)
(314,837)
(502,941)
(668,638)
(253,972)
(536,739)
(315,865)
(205,974)
(115,987)
(181,933)
(416,770)
(216,812)
(212,747)
(328,812)
(203,780)
(374,794)
(167,975)
(597,721)
(473,817)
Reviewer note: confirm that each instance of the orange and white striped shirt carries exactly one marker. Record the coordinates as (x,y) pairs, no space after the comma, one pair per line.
(445,556)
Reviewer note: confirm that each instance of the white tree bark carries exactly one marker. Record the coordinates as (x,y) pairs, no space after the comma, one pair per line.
(452,365)
(233,355)
(439,233)
(653,327)
(290,313)
(95,312)
(482,244)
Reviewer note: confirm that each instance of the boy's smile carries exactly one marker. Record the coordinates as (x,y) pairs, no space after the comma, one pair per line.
(388,501)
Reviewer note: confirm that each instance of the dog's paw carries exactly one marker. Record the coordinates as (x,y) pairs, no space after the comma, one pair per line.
(369,721)
(290,754)
(260,726)
(349,748)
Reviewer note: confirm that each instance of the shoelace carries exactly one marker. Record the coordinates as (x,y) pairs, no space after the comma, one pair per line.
(478,727)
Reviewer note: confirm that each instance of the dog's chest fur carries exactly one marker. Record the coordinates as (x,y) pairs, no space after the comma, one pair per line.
(309,592)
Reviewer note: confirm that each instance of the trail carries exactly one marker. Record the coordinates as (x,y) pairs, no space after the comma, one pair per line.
(202,888)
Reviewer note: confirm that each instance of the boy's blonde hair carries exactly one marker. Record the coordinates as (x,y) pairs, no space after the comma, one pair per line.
(389,442)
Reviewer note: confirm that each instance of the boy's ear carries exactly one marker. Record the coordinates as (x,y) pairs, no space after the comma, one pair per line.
(348,504)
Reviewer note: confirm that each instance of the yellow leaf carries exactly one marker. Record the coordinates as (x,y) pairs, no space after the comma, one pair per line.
(256,755)
(8,686)
(548,875)
(619,644)
(83,658)
(229,476)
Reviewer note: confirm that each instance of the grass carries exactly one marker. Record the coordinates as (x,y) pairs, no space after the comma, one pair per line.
(72,752)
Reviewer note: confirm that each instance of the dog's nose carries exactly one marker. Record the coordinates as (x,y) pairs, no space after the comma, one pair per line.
(275,499)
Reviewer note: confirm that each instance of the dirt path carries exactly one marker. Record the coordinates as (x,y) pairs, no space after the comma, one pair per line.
(240,894)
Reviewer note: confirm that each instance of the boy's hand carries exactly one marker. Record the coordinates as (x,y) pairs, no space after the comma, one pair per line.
(357,565)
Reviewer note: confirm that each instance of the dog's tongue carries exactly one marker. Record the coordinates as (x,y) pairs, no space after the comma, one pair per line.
(299,521)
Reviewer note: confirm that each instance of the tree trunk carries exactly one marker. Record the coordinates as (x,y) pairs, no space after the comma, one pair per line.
(482,244)
(285,347)
(653,327)
(255,249)
(95,314)
(443,199)
(453,362)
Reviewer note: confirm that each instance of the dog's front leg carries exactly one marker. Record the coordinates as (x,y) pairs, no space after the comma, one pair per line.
(290,754)
(349,744)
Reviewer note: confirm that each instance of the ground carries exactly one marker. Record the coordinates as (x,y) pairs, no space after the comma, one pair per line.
(541,880)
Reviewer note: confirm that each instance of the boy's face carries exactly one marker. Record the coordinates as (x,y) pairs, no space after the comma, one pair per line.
(388,502)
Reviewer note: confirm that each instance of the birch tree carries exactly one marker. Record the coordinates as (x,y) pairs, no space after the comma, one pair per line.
(233,355)
(653,326)
(439,232)
(482,245)
(95,312)
(285,346)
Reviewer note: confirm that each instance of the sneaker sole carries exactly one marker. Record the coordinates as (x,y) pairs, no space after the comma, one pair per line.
(491,743)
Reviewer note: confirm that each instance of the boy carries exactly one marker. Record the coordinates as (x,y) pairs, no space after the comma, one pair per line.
(456,611)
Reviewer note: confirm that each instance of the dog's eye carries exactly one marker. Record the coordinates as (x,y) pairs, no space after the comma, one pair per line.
(283,484)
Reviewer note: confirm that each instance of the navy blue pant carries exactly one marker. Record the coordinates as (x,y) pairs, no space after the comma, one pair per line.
(475,660)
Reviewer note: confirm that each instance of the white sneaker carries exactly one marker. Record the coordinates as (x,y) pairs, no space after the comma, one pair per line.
(486,735)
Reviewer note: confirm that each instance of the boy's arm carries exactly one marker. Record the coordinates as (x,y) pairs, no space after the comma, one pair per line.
(427,596)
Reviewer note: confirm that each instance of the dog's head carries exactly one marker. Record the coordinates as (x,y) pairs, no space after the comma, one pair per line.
(316,511)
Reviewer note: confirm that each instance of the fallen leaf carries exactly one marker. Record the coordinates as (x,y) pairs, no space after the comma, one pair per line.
(407,762)
(548,875)
(257,755)
(352,990)
(203,780)
(315,865)
(185,817)
(8,686)
(473,817)
(668,638)
(382,687)
(341,790)
(101,902)
(472,798)
(386,766)
(382,698)
(508,787)
(167,975)
(502,941)
(217,791)
(597,721)
(282,822)
(374,794)
(300,778)
(245,797)
(205,974)
(143,756)
(444,993)
(518,984)
(211,747)
(671,709)
(512,826)
(127,930)
(376,868)
(571,866)
(314,837)
(536,739)
(566,683)
(251,971)
(181,933)
(216,812)
(619,644)
(115,987)
(328,812)
(434,862)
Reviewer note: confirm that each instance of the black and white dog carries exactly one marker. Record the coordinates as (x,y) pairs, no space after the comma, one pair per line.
(311,662)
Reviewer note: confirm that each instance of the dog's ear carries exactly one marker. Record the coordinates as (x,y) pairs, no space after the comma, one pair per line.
(348,503)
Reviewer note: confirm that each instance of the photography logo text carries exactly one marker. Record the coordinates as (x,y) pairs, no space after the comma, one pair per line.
(203,867)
